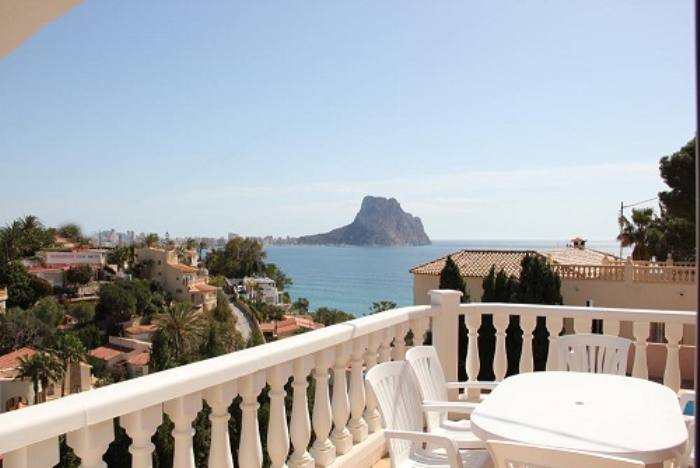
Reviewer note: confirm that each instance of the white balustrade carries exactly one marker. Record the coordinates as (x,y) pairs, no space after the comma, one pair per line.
(341,437)
(140,427)
(277,435)
(672,374)
(358,425)
(385,346)
(182,412)
(300,425)
(90,443)
(641,334)
(29,437)
(44,454)
(322,450)
(372,416)
(500,358)
(473,322)
(401,331)
(249,448)
(219,399)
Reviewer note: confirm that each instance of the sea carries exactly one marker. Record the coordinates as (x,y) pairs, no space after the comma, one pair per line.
(352,278)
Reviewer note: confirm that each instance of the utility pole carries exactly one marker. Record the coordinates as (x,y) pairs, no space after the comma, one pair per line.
(622,207)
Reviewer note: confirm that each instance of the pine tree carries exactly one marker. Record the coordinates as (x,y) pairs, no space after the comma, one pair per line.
(161,355)
(451,278)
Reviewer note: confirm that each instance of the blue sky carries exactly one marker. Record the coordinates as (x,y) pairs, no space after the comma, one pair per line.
(489,120)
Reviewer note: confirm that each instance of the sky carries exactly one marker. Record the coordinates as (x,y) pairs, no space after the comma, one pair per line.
(487,119)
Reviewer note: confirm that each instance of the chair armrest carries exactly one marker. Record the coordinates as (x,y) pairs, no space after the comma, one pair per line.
(423,438)
(463,407)
(477,384)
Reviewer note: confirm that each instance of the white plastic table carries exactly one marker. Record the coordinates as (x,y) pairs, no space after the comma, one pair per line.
(606,414)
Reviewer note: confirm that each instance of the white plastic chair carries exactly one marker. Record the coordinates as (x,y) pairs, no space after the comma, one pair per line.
(433,388)
(513,455)
(688,457)
(600,354)
(396,391)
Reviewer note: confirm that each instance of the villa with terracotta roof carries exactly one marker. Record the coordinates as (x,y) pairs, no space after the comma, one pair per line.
(16,393)
(128,353)
(588,277)
(183,282)
(290,325)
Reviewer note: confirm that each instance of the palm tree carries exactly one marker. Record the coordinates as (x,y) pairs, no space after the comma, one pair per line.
(40,368)
(151,239)
(182,326)
(69,349)
(642,232)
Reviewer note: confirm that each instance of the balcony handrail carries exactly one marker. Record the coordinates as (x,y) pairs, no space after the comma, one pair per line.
(40,422)
(563,311)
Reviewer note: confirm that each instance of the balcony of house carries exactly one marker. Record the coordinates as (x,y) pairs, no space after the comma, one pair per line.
(343,426)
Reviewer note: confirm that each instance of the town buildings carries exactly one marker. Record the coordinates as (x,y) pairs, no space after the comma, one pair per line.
(129,355)
(290,325)
(16,392)
(183,282)
(3,300)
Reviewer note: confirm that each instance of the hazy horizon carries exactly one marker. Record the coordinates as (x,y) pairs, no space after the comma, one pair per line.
(516,120)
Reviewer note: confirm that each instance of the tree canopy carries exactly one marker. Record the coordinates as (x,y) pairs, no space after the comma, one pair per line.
(328,316)
(451,278)
(242,256)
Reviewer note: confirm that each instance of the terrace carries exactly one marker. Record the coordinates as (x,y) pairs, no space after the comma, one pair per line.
(343,419)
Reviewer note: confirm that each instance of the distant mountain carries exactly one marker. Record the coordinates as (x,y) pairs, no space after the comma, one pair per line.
(380,221)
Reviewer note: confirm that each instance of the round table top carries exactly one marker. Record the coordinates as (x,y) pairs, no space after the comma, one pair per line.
(606,414)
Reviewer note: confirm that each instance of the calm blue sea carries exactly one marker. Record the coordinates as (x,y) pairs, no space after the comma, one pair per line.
(351,278)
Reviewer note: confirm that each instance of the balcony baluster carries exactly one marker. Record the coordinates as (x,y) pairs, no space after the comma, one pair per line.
(219,399)
(44,454)
(323,450)
(527,324)
(300,425)
(341,437)
(672,373)
(358,425)
(371,413)
(249,447)
(91,442)
(182,412)
(140,427)
(277,433)
(641,334)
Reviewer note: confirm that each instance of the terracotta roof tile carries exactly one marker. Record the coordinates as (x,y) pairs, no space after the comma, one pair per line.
(140,359)
(108,352)
(184,268)
(477,263)
(12,360)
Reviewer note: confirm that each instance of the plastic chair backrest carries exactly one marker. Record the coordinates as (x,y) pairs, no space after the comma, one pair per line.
(599,354)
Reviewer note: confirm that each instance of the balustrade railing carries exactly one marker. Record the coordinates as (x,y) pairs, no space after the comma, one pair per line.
(644,272)
(343,421)
(343,416)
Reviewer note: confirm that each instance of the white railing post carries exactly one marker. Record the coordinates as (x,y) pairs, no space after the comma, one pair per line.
(554,326)
(182,412)
(372,416)
(445,305)
(527,324)
(641,333)
(91,442)
(672,373)
(219,399)
(322,450)
(44,454)
(300,425)
(358,426)
(140,426)
(341,437)
(277,433)
(249,447)
(500,358)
